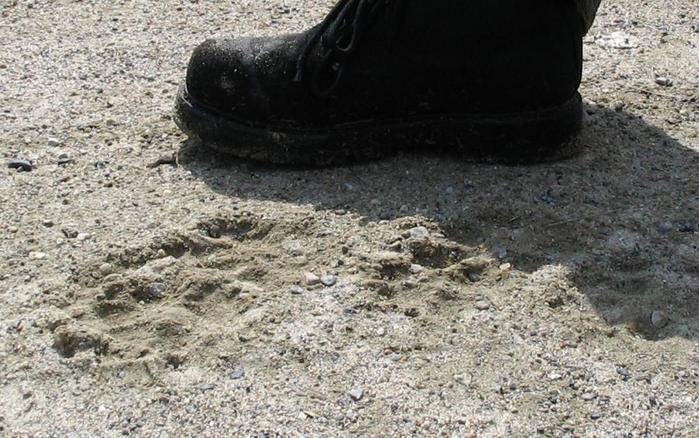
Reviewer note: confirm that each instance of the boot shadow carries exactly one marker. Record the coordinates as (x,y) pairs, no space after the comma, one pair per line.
(622,215)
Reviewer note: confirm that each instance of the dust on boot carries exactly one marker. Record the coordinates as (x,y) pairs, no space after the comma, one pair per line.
(495,78)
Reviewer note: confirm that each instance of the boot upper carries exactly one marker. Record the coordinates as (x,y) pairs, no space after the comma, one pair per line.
(407,58)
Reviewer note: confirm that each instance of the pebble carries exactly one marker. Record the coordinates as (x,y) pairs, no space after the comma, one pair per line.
(356,394)
(624,373)
(106,269)
(416,269)
(47,223)
(500,253)
(22,165)
(396,246)
(206,387)
(419,233)
(381,331)
(686,227)
(482,305)
(37,255)
(64,159)
(310,279)
(297,290)
(238,373)
(54,142)
(589,396)
(474,277)
(70,233)
(665,227)
(548,198)
(156,290)
(658,319)
(83,236)
(328,280)
(664,81)
(617,40)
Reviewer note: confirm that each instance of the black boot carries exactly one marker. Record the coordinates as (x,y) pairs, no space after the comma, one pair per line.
(479,77)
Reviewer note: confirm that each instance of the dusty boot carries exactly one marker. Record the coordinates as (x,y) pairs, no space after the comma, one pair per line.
(494,78)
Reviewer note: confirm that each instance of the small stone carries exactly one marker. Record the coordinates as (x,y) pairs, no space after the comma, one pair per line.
(83,236)
(665,227)
(156,290)
(70,233)
(53,142)
(328,280)
(500,252)
(686,227)
(206,387)
(310,279)
(624,373)
(37,255)
(548,198)
(297,290)
(106,269)
(47,223)
(419,233)
(21,165)
(464,379)
(64,159)
(482,305)
(595,416)
(214,231)
(589,396)
(416,269)
(396,246)
(238,373)
(356,394)
(664,81)
(617,40)
(659,319)
(474,277)
(381,332)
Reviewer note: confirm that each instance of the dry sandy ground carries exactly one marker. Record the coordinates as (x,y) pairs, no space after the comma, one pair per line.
(162,298)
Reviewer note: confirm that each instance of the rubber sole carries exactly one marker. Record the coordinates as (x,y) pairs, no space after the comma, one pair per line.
(510,138)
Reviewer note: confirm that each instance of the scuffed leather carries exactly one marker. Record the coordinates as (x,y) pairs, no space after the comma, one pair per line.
(588,11)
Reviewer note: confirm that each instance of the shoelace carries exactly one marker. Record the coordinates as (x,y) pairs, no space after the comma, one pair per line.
(340,34)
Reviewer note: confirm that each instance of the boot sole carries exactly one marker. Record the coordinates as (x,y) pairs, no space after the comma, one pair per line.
(524,137)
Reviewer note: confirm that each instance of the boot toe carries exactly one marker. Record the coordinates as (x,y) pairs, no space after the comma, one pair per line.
(219,75)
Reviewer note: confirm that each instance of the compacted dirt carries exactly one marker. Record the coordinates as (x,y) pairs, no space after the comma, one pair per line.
(151,287)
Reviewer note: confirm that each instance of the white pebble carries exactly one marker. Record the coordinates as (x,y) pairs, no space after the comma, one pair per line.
(310,279)
(658,319)
(36,255)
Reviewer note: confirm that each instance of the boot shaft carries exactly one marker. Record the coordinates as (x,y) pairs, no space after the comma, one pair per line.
(492,56)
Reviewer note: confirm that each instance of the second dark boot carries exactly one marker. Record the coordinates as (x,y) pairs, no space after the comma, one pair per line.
(490,78)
